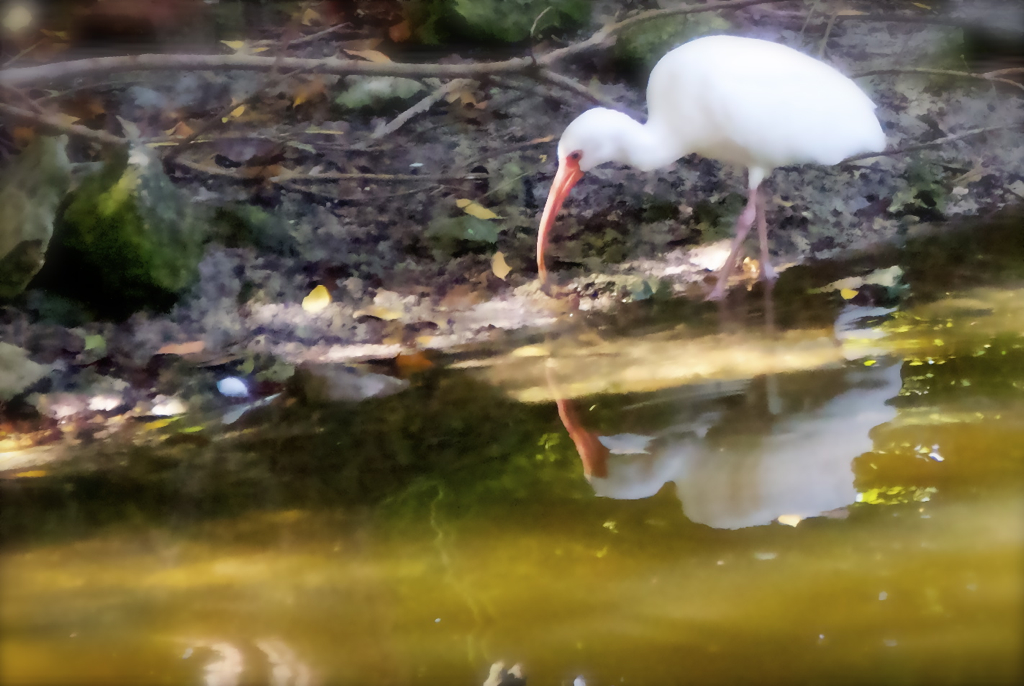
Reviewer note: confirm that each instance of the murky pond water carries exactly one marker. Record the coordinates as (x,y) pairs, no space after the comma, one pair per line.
(680,496)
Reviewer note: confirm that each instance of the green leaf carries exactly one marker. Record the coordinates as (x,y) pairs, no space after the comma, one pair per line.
(455,234)
(370,92)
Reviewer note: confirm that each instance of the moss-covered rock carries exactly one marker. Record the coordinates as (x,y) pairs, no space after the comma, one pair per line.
(127,239)
(31,190)
(639,47)
(508,21)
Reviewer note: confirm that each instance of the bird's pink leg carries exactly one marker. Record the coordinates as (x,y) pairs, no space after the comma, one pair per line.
(743,224)
(767,272)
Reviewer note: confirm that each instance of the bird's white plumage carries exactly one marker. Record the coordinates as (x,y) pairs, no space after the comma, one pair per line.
(743,101)
(759,104)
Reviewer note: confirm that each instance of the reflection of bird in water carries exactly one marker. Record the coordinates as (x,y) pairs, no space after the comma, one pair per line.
(747,102)
(228,663)
(799,465)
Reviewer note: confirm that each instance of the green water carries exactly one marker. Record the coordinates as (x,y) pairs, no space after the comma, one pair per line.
(632,523)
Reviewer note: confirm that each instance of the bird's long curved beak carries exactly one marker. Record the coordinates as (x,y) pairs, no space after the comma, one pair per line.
(565,178)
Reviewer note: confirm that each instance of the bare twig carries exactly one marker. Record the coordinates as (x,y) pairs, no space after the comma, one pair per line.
(421,106)
(21,54)
(532,87)
(291,176)
(28,102)
(53,124)
(63,71)
(930,144)
(994,76)
(810,13)
(533,29)
(214,122)
(1003,72)
(879,18)
(602,36)
(828,32)
(316,36)
(576,87)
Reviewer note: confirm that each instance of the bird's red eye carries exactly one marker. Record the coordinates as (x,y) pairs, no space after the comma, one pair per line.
(575,155)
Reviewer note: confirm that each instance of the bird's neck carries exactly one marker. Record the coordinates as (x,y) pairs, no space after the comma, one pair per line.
(648,146)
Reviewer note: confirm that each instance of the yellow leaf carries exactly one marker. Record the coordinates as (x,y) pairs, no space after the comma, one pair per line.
(848,293)
(475,210)
(235,113)
(400,32)
(329,132)
(32,474)
(371,55)
(499,266)
(190,348)
(921,5)
(378,312)
(318,299)
(180,130)
(309,91)
(242,47)
(411,363)
(310,17)
(66,118)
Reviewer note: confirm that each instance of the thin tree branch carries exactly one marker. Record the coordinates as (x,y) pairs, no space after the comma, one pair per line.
(292,176)
(421,106)
(930,144)
(575,86)
(602,36)
(987,76)
(53,124)
(318,35)
(214,122)
(59,71)
(879,18)
(62,71)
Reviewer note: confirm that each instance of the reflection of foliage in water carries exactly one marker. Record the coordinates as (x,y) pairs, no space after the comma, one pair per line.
(446,429)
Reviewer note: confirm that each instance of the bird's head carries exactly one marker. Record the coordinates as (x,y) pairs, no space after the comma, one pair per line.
(588,141)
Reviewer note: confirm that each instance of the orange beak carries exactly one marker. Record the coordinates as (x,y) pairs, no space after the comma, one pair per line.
(565,178)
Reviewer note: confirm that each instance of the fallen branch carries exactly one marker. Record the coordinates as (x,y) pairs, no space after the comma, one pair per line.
(52,124)
(994,76)
(930,144)
(217,121)
(421,106)
(602,36)
(575,86)
(58,71)
(878,18)
(317,36)
(291,176)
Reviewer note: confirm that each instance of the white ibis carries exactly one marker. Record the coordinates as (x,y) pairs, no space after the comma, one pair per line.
(742,101)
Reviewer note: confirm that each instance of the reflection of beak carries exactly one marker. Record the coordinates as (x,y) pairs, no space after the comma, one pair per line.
(565,178)
(593,454)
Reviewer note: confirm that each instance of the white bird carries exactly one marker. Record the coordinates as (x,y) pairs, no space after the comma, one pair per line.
(741,101)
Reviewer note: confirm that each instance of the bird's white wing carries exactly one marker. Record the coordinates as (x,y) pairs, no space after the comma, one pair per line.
(758,103)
